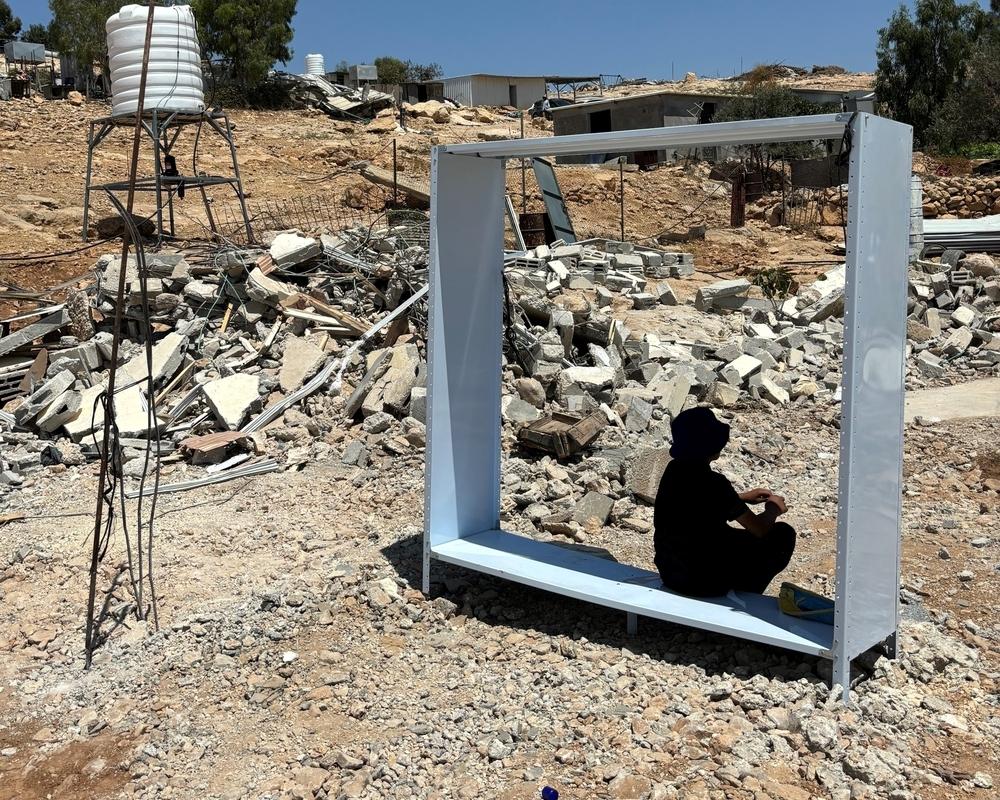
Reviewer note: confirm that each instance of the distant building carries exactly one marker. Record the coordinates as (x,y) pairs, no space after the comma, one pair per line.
(422,91)
(673,107)
(519,91)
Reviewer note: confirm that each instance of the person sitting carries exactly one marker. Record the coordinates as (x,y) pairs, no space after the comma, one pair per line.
(697,552)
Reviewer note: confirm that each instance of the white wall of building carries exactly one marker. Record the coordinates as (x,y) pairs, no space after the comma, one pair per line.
(493,90)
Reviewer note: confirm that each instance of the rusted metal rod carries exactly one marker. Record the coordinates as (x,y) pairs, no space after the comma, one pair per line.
(116,340)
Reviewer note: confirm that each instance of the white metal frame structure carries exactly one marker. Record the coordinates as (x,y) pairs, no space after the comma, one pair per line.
(462,512)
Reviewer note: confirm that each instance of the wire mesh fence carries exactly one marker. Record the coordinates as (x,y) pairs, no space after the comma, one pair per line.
(312,214)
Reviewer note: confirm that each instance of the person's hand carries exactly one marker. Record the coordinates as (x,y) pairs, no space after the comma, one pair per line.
(778,502)
(756,496)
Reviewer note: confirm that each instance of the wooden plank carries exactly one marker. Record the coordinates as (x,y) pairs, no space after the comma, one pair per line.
(412,187)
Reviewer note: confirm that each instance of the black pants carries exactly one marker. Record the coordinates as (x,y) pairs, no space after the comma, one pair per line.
(741,562)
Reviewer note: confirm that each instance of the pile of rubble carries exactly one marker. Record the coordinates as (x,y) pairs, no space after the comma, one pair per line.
(246,339)
(955,314)
(239,338)
(965,197)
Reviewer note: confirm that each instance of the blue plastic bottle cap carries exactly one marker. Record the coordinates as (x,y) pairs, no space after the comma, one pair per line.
(548,793)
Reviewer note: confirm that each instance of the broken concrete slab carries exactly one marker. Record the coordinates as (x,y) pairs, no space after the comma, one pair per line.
(91,416)
(638,414)
(302,357)
(644,470)
(591,379)
(28,334)
(671,393)
(233,398)
(593,508)
(376,370)
(168,355)
(722,395)
(517,411)
(290,249)
(957,343)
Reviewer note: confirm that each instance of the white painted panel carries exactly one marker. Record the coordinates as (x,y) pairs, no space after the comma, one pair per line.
(627,588)
(868,523)
(463,413)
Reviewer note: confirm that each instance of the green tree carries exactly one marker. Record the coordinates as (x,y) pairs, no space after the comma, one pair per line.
(768,100)
(423,72)
(37,34)
(391,71)
(248,36)
(970,114)
(10,26)
(77,30)
(924,56)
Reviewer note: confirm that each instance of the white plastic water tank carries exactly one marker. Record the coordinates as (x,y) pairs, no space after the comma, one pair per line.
(315,64)
(174,81)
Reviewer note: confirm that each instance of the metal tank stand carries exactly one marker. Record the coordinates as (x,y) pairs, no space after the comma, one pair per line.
(164,129)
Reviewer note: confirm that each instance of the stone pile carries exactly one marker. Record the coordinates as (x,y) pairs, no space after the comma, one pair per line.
(964,197)
(954,318)
(619,267)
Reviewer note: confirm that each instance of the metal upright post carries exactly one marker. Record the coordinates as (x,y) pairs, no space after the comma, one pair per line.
(621,194)
(157,172)
(239,180)
(395,176)
(91,144)
(524,169)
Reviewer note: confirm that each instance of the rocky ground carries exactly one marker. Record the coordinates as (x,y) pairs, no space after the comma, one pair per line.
(296,658)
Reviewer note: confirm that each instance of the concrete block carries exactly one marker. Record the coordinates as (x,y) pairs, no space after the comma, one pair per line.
(418,404)
(964,316)
(738,370)
(930,365)
(65,408)
(708,297)
(665,294)
(730,351)
(770,390)
(643,300)
(43,396)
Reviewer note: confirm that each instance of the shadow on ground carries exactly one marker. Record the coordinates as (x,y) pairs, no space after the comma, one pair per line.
(494,601)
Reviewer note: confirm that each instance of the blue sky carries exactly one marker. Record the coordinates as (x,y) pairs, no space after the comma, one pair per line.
(635,38)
